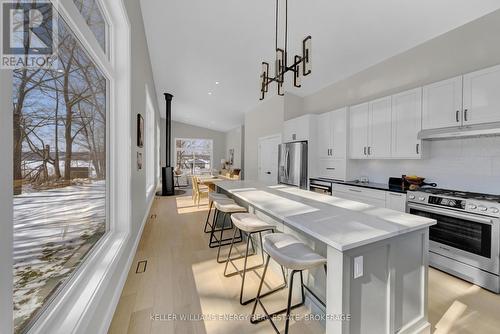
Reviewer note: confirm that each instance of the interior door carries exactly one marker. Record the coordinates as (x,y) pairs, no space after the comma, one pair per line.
(359,131)
(379,130)
(482,96)
(268,159)
(442,104)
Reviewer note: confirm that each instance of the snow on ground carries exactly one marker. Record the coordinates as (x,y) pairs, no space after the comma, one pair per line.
(53,230)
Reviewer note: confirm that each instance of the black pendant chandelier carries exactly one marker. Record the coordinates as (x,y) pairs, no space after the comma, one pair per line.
(301,64)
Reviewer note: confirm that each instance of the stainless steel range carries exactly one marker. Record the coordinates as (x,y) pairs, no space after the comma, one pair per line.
(465,240)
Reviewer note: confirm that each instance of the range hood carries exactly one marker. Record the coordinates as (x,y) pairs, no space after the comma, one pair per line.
(479,130)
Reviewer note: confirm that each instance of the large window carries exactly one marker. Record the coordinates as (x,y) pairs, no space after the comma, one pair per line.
(60,168)
(194,156)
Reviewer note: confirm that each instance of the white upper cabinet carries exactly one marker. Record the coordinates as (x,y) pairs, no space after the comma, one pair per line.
(379,131)
(339,135)
(370,128)
(358,148)
(406,124)
(325,135)
(298,129)
(332,134)
(481,96)
(442,104)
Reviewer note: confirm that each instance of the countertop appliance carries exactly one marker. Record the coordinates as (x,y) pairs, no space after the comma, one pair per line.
(292,164)
(320,185)
(465,240)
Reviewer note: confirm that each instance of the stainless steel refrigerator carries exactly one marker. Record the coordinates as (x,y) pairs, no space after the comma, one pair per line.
(292,166)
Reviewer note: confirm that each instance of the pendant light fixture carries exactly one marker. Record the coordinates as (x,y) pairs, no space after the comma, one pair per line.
(301,65)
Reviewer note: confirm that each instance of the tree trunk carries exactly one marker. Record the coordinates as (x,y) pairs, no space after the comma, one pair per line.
(18,135)
(67,128)
(57,169)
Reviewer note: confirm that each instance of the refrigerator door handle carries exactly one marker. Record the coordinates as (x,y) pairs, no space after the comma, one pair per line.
(288,164)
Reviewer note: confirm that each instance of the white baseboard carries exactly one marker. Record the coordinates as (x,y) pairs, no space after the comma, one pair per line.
(123,277)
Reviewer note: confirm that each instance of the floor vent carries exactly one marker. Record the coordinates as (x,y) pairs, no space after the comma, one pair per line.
(141,267)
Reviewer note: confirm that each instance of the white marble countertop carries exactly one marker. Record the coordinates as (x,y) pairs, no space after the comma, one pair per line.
(340,223)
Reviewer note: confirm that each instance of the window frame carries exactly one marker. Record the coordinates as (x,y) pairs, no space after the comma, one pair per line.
(106,28)
(73,308)
(211,153)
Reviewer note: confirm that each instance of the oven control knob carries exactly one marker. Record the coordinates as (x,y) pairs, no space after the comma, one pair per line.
(472,206)
(411,196)
(494,210)
(421,198)
(482,208)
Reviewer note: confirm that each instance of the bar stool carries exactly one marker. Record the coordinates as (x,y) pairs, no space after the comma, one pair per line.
(211,197)
(292,254)
(227,208)
(249,224)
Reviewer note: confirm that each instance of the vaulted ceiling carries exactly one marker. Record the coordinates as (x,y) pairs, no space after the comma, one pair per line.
(207,53)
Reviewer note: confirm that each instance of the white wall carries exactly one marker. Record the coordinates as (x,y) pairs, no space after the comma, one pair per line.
(294,106)
(465,49)
(234,140)
(264,120)
(468,164)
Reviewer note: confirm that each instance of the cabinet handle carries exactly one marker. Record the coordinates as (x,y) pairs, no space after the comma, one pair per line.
(364,150)
(330,168)
(417,147)
(397,195)
(369,150)
(465,115)
(353,190)
(331,151)
(458,113)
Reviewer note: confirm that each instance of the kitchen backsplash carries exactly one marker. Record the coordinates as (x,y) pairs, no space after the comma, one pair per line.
(471,164)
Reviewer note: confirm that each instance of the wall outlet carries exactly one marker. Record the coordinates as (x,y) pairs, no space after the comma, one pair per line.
(358,267)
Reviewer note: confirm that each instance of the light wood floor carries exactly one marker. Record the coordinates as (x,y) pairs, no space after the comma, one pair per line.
(183,278)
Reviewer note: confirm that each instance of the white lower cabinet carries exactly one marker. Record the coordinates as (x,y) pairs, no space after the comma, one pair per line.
(378,198)
(395,201)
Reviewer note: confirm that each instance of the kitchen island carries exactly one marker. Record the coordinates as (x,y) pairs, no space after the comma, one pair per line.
(377,258)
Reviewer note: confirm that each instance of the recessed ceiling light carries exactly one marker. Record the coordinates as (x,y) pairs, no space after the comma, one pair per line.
(217,82)
(209,93)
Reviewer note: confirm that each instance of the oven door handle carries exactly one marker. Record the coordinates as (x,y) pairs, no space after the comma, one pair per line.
(319,186)
(451,214)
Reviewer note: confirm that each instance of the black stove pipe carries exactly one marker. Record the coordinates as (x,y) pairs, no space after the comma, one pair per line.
(167,173)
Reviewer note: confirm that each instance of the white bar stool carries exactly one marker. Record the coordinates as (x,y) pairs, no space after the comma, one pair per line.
(227,208)
(293,254)
(249,224)
(212,196)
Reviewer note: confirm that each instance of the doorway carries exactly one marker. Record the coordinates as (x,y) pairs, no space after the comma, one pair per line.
(268,158)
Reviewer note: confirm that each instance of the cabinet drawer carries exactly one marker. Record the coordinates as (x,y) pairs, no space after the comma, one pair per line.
(359,191)
(332,169)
